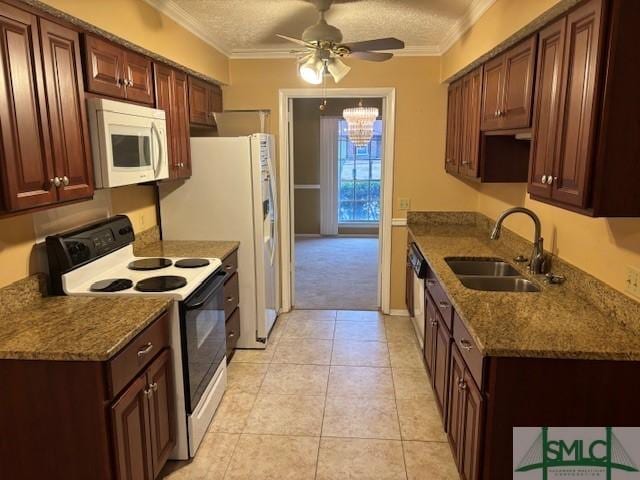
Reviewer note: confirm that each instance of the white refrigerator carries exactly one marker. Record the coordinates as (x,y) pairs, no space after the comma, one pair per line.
(231,195)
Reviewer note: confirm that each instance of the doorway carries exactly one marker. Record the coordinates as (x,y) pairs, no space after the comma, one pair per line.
(335,223)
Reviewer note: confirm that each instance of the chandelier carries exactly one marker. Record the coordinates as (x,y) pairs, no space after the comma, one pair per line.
(360,123)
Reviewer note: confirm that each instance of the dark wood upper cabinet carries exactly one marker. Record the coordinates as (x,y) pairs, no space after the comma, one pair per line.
(46,157)
(138,76)
(470,124)
(493,81)
(454,122)
(546,107)
(508,88)
(26,161)
(572,164)
(585,143)
(204,99)
(117,72)
(171,93)
(67,115)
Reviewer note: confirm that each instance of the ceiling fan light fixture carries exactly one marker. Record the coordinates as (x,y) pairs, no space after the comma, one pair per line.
(338,69)
(311,69)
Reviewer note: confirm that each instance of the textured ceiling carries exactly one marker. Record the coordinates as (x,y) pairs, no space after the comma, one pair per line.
(238,26)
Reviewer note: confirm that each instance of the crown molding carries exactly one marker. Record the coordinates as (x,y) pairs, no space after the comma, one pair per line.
(464,23)
(187,21)
(193,25)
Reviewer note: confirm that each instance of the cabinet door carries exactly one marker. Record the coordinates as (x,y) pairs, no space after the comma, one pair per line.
(408,287)
(455,408)
(26,162)
(493,82)
(430,329)
(575,136)
(215,100)
(472,428)
(441,348)
(104,67)
(68,119)
(470,137)
(546,108)
(139,87)
(519,62)
(180,107)
(130,414)
(163,86)
(161,410)
(454,109)
(200,103)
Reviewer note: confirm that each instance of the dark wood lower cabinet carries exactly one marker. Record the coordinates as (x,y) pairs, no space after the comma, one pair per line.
(440,371)
(408,288)
(231,302)
(64,420)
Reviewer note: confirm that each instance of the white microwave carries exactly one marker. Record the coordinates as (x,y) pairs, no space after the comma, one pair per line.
(129,143)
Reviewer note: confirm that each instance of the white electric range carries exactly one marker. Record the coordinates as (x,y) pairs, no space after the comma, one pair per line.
(98,260)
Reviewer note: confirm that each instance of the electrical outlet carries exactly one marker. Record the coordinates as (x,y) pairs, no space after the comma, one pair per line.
(633,281)
(405,203)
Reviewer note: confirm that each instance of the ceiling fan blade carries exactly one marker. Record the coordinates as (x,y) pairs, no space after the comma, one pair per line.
(372,56)
(296,40)
(377,44)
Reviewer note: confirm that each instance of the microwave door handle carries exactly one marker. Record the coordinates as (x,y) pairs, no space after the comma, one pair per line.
(156,165)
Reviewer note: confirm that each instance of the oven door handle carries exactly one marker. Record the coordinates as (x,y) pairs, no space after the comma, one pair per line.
(212,288)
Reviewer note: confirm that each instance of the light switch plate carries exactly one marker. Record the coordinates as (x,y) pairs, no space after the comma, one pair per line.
(633,281)
(405,203)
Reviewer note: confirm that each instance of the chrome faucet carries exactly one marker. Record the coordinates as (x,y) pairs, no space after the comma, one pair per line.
(538,263)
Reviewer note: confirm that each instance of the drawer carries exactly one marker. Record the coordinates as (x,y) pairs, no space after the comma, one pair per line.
(232,328)
(138,353)
(468,348)
(230,263)
(440,299)
(231,295)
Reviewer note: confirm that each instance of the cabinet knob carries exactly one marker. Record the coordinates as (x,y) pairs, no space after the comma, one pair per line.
(129,83)
(496,113)
(55,181)
(65,180)
(148,392)
(120,81)
(431,283)
(443,304)
(228,267)
(154,386)
(232,334)
(544,179)
(230,299)
(433,323)
(466,345)
(549,180)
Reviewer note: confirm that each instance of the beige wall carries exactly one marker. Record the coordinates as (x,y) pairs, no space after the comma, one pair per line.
(143,25)
(602,247)
(501,20)
(420,131)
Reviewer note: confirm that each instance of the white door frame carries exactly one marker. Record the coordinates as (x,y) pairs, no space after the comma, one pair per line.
(286,184)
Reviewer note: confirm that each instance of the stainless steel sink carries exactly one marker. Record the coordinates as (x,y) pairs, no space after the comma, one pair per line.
(498,284)
(485,267)
(490,275)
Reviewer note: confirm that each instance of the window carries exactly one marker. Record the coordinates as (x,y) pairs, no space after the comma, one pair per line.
(359,170)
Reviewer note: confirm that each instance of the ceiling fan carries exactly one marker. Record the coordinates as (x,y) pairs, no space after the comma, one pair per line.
(323,49)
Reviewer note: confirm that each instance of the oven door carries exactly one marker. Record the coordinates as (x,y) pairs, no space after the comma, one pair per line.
(133,149)
(202,331)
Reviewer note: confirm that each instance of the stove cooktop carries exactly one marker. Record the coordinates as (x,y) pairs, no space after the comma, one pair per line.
(151,263)
(192,263)
(111,285)
(162,283)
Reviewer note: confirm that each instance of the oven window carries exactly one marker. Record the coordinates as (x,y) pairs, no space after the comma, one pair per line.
(131,151)
(204,333)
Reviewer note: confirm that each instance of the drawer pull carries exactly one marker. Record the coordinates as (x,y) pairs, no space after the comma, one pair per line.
(434,323)
(466,345)
(146,349)
(230,299)
(232,334)
(431,283)
(228,267)
(444,304)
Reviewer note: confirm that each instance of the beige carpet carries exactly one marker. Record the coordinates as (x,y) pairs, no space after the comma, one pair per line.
(338,273)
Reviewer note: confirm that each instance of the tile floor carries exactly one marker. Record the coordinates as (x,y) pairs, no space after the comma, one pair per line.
(336,395)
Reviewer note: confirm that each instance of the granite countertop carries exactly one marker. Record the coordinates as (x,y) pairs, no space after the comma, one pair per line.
(185,248)
(75,328)
(558,322)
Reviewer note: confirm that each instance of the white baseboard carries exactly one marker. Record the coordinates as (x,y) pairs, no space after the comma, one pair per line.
(399,312)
